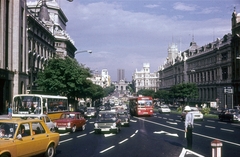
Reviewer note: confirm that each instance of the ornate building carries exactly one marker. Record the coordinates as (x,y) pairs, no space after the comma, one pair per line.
(236,57)
(208,66)
(30,34)
(144,79)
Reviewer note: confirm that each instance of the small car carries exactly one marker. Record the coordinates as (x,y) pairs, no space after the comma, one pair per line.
(43,117)
(70,121)
(232,115)
(30,137)
(90,112)
(107,121)
(124,117)
(164,109)
(196,113)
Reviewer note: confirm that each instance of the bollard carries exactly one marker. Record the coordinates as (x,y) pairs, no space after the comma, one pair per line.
(216,148)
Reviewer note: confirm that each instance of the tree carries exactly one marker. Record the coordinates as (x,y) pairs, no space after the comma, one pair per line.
(146,92)
(184,91)
(64,76)
(162,95)
(109,90)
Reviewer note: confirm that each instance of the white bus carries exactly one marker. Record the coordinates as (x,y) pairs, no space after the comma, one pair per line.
(51,105)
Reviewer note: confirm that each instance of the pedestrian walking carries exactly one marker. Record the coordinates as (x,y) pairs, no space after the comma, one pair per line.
(188,126)
(10,111)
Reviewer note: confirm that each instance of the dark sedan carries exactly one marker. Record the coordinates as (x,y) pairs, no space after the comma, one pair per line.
(229,115)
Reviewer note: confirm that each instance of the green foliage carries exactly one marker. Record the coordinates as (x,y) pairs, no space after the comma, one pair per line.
(146,92)
(180,109)
(162,94)
(64,76)
(109,90)
(205,111)
(184,91)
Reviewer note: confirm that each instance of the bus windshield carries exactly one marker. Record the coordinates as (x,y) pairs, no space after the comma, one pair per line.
(144,103)
(38,104)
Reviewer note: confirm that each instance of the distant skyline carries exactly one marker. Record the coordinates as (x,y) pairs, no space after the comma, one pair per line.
(127,33)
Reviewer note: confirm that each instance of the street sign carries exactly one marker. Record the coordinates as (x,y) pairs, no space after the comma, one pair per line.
(228,90)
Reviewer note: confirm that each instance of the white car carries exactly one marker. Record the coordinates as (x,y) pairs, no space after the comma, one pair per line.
(164,109)
(196,113)
(42,117)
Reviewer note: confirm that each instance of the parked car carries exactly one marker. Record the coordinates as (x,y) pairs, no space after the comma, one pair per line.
(30,137)
(164,109)
(42,117)
(196,113)
(70,121)
(90,112)
(124,117)
(107,121)
(229,115)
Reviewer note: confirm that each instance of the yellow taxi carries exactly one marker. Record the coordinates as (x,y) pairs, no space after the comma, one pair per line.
(19,137)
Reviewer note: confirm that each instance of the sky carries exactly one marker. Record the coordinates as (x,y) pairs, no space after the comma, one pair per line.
(124,34)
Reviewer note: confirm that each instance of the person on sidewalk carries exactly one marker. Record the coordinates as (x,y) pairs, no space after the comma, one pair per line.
(188,126)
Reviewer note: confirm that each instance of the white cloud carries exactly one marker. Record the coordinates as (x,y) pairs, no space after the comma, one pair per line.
(151,6)
(184,7)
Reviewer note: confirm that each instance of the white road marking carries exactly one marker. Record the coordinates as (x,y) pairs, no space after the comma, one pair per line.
(167,133)
(67,133)
(91,132)
(81,135)
(108,135)
(209,137)
(207,126)
(133,120)
(210,121)
(171,122)
(227,130)
(123,141)
(197,124)
(222,122)
(65,140)
(132,135)
(106,149)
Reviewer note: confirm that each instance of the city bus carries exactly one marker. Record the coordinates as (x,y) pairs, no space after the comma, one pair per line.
(141,106)
(51,105)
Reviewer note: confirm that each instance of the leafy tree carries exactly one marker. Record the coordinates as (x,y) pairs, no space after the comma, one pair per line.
(162,95)
(109,90)
(64,76)
(146,92)
(184,91)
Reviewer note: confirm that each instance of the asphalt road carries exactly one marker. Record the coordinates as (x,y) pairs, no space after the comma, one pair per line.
(161,135)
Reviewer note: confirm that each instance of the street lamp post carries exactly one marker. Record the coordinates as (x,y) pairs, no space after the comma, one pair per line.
(88,51)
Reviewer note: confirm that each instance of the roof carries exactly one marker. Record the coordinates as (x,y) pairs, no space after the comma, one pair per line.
(17,120)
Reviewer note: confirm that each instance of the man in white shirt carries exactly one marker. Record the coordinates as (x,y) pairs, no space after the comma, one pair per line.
(188,126)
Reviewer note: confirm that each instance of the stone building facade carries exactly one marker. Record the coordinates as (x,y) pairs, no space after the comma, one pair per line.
(144,79)
(208,66)
(29,36)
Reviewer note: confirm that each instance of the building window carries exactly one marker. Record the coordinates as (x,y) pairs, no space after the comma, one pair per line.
(224,56)
(224,73)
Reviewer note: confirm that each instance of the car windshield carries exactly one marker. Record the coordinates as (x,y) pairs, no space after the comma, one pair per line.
(194,109)
(68,116)
(7,130)
(106,117)
(164,106)
(122,115)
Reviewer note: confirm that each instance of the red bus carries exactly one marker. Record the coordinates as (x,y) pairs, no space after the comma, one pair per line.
(141,106)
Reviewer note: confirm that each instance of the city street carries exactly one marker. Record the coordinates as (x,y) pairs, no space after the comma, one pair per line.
(159,135)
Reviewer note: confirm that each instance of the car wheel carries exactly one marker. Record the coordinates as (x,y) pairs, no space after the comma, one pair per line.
(50,151)
(83,127)
(74,128)
(5,155)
